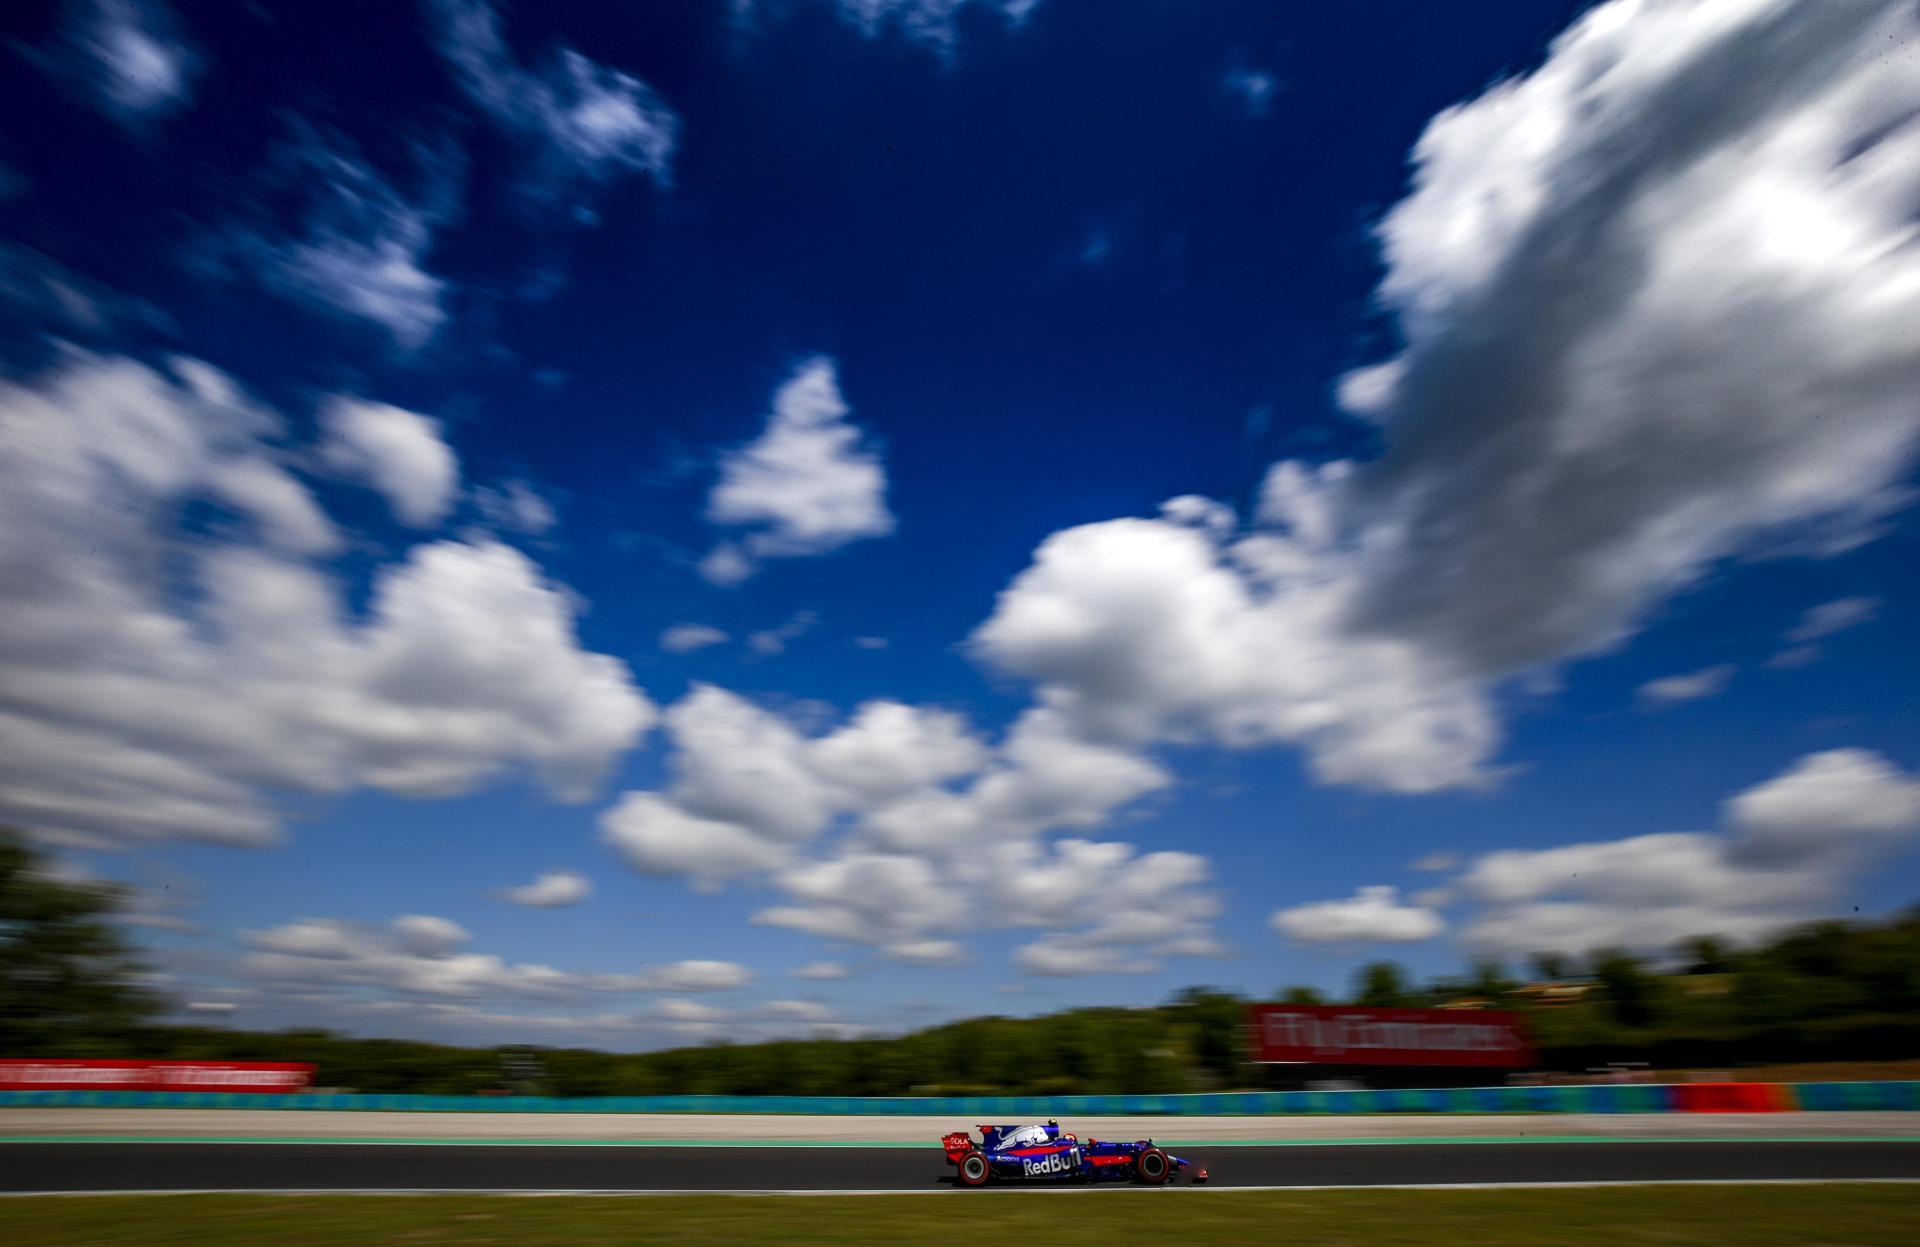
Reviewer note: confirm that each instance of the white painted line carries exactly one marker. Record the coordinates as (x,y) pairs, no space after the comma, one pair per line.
(955,1191)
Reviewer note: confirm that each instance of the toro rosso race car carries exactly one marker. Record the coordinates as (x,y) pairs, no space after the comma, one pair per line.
(1044,1153)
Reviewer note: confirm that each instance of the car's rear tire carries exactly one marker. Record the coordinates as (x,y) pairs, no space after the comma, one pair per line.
(1152,1166)
(974,1169)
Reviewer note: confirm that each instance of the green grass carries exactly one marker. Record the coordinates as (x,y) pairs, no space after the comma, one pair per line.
(1747,1216)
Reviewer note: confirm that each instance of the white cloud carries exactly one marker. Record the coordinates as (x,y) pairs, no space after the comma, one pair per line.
(821,970)
(726,565)
(282,507)
(1061,957)
(1788,848)
(552,890)
(773,641)
(886,900)
(888,749)
(924,826)
(1144,629)
(1252,89)
(926,952)
(1693,686)
(1794,656)
(805,486)
(688,1011)
(398,452)
(1831,617)
(934,23)
(1108,908)
(698,976)
(132,56)
(586,123)
(685,638)
(1829,805)
(515,507)
(1650,324)
(428,936)
(660,838)
(361,247)
(420,955)
(1372,915)
(1438,860)
(46,296)
(870,642)
(156,684)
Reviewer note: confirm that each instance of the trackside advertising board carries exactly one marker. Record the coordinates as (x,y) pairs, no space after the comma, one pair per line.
(1344,1035)
(59,1075)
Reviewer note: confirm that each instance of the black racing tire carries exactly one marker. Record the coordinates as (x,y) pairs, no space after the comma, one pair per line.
(1152,1167)
(974,1169)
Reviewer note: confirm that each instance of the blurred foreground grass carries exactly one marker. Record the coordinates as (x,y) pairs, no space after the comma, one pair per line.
(1749,1216)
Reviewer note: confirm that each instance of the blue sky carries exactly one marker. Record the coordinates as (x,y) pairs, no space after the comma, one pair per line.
(537,523)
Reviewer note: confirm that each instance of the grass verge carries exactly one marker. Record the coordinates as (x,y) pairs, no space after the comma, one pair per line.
(1747,1216)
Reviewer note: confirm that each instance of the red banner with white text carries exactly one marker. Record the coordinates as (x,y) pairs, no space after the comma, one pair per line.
(1353,1035)
(62,1075)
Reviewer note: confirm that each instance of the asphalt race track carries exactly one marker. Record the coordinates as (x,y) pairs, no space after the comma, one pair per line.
(295,1166)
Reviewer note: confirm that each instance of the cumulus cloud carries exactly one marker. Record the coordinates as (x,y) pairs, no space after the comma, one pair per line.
(1785,850)
(1694,685)
(361,247)
(1251,89)
(1649,294)
(1831,617)
(685,638)
(133,57)
(398,452)
(822,970)
(886,900)
(515,507)
(1107,908)
(900,827)
(553,890)
(42,295)
(934,23)
(585,123)
(418,955)
(773,641)
(157,683)
(805,486)
(659,837)
(1372,915)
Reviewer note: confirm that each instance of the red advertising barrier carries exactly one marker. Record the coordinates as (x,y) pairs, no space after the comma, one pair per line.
(1343,1035)
(1733,1097)
(60,1075)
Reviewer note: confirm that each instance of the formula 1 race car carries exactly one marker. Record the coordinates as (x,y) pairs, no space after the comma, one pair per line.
(1044,1153)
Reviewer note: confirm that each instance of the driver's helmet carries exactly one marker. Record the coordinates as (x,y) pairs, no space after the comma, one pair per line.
(1025,1136)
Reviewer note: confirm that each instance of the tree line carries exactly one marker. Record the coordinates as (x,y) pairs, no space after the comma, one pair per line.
(1828,991)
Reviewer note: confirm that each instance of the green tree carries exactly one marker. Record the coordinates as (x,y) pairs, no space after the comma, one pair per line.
(1300,995)
(1382,984)
(1632,991)
(66,974)
(1706,954)
(1553,967)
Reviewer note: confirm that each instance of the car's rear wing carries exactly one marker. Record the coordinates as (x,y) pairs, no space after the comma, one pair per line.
(956,1145)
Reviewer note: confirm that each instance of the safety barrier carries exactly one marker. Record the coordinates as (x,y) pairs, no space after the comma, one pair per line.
(1595,1098)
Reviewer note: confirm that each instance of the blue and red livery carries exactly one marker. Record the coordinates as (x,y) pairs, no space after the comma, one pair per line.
(1047,1154)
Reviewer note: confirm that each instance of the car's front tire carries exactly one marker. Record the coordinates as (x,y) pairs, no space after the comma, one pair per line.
(1152,1166)
(974,1169)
